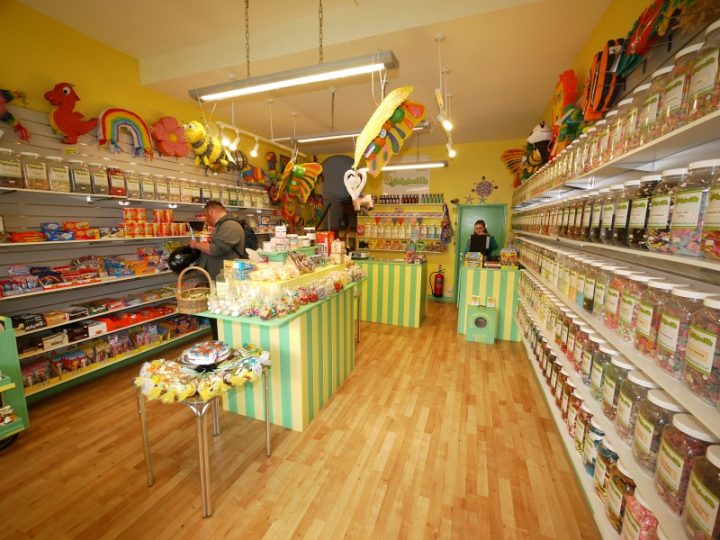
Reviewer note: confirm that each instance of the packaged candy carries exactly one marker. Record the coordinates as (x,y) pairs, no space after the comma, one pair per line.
(691,199)
(661,209)
(701,372)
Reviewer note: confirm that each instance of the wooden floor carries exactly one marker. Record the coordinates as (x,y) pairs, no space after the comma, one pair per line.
(429,437)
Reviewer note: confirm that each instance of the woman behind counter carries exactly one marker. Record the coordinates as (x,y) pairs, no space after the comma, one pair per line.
(480,229)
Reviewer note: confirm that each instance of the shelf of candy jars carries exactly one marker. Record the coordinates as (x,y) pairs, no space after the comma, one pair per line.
(426,199)
(597,424)
(401,246)
(668,120)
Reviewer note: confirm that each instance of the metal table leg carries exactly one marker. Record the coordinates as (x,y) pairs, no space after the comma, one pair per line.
(216,416)
(200,410)
(142,413)
(268,447)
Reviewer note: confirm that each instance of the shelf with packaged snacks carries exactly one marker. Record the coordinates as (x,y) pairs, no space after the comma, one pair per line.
(95,241)
(114,330)
(6,383)
(94,316)
(93,283)
(82,372)
(399,250)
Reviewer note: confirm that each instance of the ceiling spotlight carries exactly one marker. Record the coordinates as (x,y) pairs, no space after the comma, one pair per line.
(451,151)
(254,151)
(445,122)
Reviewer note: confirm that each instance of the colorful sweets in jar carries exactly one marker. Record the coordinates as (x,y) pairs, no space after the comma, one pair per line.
(607,225)
(594,435)
(677,311)
(622,211)
(116,181)
(58,174)
(701,519)
(605,275)
(628,305)
(81,181)
(597,214)
(615,289)
(649,310)
(592,345)
(639,521)
(615,375)
(606,457)
(684,441)
(633,390)
(632,124)
(574,405)
(701,372)
(10,169)
(704,91)
(583,335)
(710,235)
(616,147)
(601,361)
(34,171)
(568,390)
(99,177)
(620,485)
(674,103)
(639,211)
(585,228)
(654,413)
(661,209)
(582,422)
(650,114)
(691,199)
(591,277)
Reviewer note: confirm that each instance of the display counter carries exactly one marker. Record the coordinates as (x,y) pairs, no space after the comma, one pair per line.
(484,283)
(281,256)
(312,352)
(394,293)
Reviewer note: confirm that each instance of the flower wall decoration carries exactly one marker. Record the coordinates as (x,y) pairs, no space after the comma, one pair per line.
(169,137)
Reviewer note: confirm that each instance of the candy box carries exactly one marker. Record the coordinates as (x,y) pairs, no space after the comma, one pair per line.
(56,339)
(111,323)
(60,235)
(76,332)
(109,232)
(50,279)
(102,350)
(112,303)
(18,270)
(93,308)
(54,317)
(71,362)
(50,227)
(77,312)
(120,343)
(28,321)
(132,300)
(95,328)
(76,225)
(87,234)
(29,345)
(15,285)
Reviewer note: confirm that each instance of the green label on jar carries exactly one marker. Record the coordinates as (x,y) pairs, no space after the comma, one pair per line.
(613,298)
(687,209)
(712,212)
(565,217)
(600,294)
(627,306)
(58,174)
(589,290)
(704,74)
(35,171)
(643,324)
(596,378)
(649,111)
(659,211)
(701,505)
(82,178)
(596,215)
(624,410)
(672,97)
(637,213)
(644,431)
(608,213)
(148,187)
(614,499)
(621,213)
(600,476)
(586,215)
(700,350)
(668,333)
(587,362)
(10,169)
(670,466)
(631,527)
(609,392)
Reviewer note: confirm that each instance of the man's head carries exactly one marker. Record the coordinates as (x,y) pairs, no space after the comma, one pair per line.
(214,210)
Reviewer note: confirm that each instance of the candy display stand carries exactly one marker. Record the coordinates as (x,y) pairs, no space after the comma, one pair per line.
(481,324)
(484,286)
(11,386)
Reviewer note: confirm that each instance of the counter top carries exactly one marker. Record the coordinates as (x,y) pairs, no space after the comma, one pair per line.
(372,261)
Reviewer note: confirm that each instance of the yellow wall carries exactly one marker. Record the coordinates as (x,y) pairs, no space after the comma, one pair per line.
(473,161)
(615,23)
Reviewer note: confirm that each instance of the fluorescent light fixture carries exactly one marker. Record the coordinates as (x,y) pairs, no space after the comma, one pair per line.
(445,122)
(339,135)
(254,151)
(328,71)
(451,151)
(416,166)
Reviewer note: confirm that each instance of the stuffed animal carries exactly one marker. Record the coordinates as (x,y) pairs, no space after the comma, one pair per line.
(537,151)
(209,153)
(6,96)
(63,118)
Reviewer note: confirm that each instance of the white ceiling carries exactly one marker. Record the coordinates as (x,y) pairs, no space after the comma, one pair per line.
(503,56)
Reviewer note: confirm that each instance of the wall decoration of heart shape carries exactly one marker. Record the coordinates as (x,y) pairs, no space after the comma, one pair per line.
(355,182)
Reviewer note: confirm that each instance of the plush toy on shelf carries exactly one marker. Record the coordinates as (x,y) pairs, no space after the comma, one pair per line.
(208,150)
(6,96)
(64,119)
(537,151)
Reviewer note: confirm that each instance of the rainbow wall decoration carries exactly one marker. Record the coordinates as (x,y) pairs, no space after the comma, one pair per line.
(111,121)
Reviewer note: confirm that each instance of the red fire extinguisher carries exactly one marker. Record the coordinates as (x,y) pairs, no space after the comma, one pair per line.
(438,283)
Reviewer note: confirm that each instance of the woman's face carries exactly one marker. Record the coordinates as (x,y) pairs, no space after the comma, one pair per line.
(480,229)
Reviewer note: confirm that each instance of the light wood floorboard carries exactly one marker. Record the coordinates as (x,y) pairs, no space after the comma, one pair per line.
(430,437)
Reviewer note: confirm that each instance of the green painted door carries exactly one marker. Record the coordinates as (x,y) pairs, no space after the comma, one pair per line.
(494,215)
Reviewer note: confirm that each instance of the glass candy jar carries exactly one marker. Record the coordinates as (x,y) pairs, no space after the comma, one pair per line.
(675,95)
(607,226)
(606,458)
(582,423)
(81,181)
(639,520)
(632,123)
(704,91)
(627,319)
(701,372)
(590,349)
(649,311)
(99,177)
(601,361)
(639,210)
(649,121)
(10,169)
(620,485)
(615,289)
(691,199)
(618,122)
(605,275)
(633,390)
(596,220)
(683,443)
(677,311)
(594,436)
(710,236)
(622,212)
(615,375)
(701,519)
(661,209)
(654,413)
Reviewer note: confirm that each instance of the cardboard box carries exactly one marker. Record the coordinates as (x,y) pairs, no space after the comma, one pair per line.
(54,317)
(56,339)
(76,332)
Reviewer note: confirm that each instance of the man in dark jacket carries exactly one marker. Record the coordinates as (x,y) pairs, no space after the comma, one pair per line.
(227,240)
(251,241)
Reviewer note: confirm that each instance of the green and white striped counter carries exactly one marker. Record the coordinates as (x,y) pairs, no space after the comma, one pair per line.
(498,284)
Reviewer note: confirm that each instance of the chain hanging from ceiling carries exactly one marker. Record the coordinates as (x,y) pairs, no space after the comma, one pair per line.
(320,31)
(247,38)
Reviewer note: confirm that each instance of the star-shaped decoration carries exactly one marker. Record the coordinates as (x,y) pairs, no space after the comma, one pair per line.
(469,199)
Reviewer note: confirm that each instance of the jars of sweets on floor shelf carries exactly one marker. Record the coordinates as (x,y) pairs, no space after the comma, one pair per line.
(704,91)
(589,352)
(594,435)
(683,443)
(582,423)
(10,169)
(649,311)
(701,372)
(675,326)
(639,521)
(633,390)
(710,235)
(597,214)
(691,198)
(605,275)
(620,485)
(701,519)
(606,457)
(622,212)
(639,211)
(674,104)
(661,209)
(607,225)
(627,319)
(613,294)
(574,405)
(615,375)
(582,337)
(601,361)
(654,413)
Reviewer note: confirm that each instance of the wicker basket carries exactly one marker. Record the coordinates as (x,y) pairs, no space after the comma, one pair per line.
(195,299)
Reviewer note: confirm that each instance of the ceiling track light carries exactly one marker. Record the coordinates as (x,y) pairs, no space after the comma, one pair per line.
(254,151)
(416,166)
(327,71)
(445,122)
(451,150)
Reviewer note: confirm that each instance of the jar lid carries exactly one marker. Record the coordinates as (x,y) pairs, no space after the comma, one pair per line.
(638,377)
(624,273)
(662,71)
(596,427)
(713,455)
(600,123)
(76,161)
(642,501)
(690,426)
(612,113)
(584,135)
(591,129)
(31,154)
(651,178)
(690,293)
(714,26)
(54,158)
(674,172)
(597,339)
(584,408)
(642,88)
(609,446)
(663,400)
(171,178)
(565,373)
(616,187)
(610,267)
(6,150)
(712,302)
(607,350)
(587,329)
(706,163)
(604,190)
(144,174)
(621,362)
(630,183)
(571,385)
(644,278)
(688,50)
(96,164)
(625,102)
(620,466)
(664,285)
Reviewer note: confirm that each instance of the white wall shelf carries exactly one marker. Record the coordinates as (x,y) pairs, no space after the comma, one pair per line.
(100,241)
